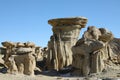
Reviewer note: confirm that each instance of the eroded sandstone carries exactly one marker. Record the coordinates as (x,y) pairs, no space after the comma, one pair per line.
(65,35)
(95,53)
(20,57)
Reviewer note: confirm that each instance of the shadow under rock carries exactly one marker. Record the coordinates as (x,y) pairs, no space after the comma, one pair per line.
(3,70)
(63,72)
(48,73)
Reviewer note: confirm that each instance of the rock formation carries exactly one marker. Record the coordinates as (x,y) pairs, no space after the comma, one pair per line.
(65,35)
(20,57)
(93,53)
(41,57)
(2,51)
(96,52)
(115,53)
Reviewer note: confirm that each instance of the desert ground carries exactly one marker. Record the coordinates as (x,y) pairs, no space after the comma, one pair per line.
(46,75)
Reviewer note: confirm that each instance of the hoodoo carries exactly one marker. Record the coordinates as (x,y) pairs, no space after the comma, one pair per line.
(65,35)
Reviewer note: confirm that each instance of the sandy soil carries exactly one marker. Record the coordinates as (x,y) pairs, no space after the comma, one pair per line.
(43,77)
(24,77)
(38,77)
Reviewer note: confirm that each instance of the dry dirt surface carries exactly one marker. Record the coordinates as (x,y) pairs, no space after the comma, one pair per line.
(43,77)
(24,77)
(38,77)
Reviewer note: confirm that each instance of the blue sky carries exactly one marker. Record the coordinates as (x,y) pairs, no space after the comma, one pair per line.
(27,20)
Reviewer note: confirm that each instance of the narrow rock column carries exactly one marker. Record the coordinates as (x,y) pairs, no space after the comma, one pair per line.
(65,35)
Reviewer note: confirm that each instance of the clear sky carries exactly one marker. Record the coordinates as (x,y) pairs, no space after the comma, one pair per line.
(27,20)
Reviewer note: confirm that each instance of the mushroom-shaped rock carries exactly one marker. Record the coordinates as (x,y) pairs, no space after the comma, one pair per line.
(65,35)
(68,21)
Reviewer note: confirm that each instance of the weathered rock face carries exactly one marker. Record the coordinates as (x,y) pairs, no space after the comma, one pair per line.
(20,57)
(65,35)
(93,53)
(39,53)
(96,52)
(2,51)
(115,51)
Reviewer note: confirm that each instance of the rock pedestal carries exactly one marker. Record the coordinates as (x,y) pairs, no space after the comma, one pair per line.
(65,35)
(20,57)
